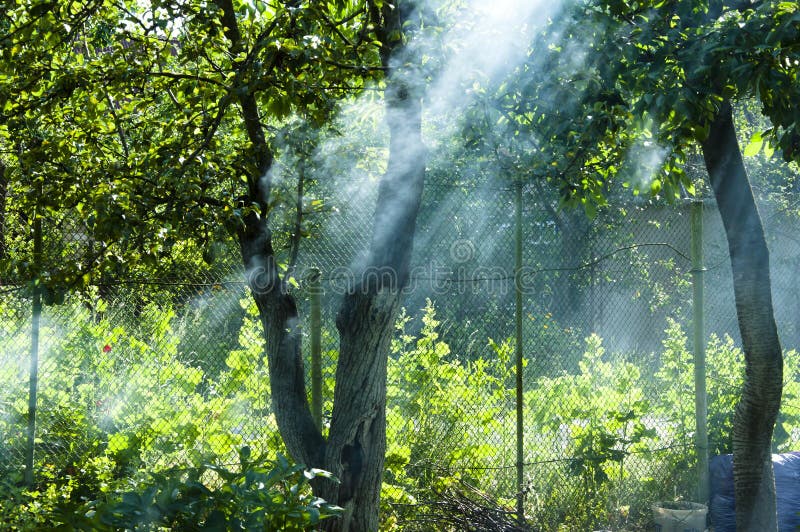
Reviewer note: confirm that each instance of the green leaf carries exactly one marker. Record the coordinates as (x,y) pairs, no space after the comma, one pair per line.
(118,442)
(754,146)
(769,151)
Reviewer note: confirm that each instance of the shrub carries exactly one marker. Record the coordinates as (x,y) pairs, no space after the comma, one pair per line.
(257,495)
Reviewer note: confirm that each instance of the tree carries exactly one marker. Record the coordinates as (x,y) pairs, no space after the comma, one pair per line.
(155,121)
(758,408)
(657,79)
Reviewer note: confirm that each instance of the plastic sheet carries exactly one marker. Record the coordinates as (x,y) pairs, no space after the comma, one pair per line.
(787,489)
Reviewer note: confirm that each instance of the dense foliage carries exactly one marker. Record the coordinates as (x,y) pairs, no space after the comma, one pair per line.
(623,428)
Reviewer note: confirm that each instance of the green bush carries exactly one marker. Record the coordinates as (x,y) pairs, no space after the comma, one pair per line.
(123,409)
(116,399)
(449,417)
(598,419)
(604,440)
(256,495)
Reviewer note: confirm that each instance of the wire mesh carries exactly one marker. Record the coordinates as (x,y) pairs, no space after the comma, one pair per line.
(159,372)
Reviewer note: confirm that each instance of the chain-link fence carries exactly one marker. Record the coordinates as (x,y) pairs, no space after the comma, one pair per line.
(144,374)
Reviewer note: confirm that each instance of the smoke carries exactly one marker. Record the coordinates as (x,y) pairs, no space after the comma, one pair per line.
(455,55)
(488,41)
(644,163)
(14,364)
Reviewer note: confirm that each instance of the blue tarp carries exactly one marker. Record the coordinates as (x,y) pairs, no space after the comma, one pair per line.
(787,490)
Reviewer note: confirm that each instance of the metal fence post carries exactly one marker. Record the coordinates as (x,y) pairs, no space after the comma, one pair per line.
(315,293)
(33,382)
(700,406)
(518,344)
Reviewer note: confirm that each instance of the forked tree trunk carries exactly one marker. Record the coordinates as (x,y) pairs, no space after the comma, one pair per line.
(758,408)
(354,451)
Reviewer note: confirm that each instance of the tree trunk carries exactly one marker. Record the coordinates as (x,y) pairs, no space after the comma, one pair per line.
(3,192)
(276,306)
(357,442)
(758,408)
(279,318)
(354,451)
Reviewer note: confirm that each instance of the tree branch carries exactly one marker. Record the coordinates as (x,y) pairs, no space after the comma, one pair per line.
(277,308)
(190,77)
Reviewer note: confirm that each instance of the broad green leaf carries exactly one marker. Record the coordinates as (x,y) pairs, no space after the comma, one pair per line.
(754,146)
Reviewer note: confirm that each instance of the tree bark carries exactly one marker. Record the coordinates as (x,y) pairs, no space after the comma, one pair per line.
(357,442)
(757,411)
(354,451)
(276,305)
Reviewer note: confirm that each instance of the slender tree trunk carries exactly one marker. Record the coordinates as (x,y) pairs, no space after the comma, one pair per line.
(276,306)
(758,408)
(3,192)
(279,318)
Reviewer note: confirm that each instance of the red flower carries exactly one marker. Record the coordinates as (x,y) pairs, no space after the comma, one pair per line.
(106,348)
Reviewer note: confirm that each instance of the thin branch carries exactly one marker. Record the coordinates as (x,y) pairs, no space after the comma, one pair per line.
(190,77)
(137,20)
(111,106)
(348,18)
(215,67)
(211,131)
(261,40)
(335,28)
(359,68)
(173,98)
